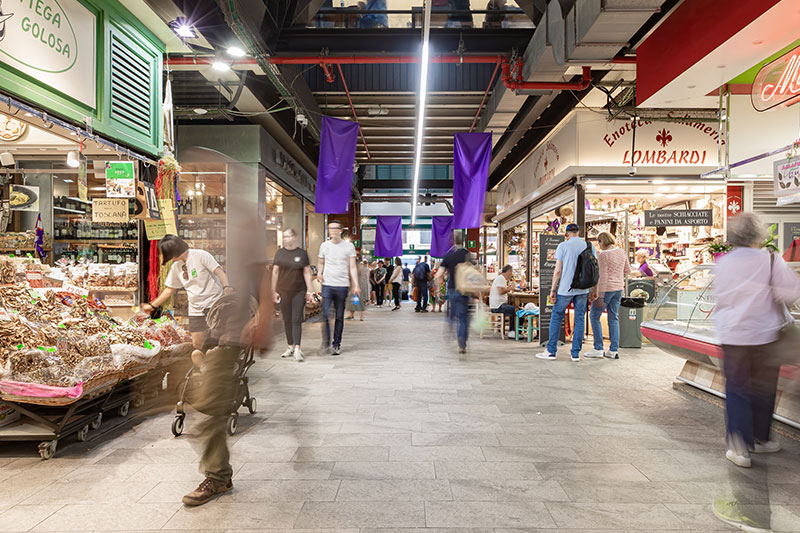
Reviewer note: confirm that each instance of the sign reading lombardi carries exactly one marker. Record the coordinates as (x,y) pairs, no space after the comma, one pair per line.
(679,217)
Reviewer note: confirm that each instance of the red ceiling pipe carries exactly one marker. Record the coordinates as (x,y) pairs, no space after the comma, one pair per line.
(485,94)
(326,68)
(515,84)
(333,60)
(625,60)
(352,107)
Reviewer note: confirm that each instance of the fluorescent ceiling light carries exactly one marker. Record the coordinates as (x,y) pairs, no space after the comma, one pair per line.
(591,185)
(606,191)
(200,111)
(220,66)
(423,93)
(235,51)
(69,181)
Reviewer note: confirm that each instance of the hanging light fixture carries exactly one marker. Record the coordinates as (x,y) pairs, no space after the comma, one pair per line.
(73,159)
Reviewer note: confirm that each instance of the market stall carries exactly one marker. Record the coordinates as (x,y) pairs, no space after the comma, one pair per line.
(65,359)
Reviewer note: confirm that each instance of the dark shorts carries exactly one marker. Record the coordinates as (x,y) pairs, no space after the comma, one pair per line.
(198,324)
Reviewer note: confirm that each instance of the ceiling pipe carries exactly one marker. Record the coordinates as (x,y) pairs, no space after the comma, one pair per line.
(352,108)
(485,94)
(326,68)
(514,82)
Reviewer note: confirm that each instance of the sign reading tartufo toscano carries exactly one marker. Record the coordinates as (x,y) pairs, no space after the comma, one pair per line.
(679,217)
(53,41)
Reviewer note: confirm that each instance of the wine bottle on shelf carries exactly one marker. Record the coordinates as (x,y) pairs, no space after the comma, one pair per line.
(207,202)
(216,205)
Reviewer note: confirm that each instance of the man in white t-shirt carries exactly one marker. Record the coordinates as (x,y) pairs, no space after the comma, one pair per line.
(498,296)
(337,270)
(200,275)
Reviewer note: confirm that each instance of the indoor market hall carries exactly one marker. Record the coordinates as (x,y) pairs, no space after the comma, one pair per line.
(399,266)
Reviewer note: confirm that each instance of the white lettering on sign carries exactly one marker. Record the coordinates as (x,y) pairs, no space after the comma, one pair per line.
(778,82)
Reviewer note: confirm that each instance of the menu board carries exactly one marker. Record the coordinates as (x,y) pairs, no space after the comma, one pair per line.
(547,267)
(642,288)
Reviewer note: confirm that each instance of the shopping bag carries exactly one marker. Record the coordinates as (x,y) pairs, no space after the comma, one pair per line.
(414,293)
(470,280)
(480,320)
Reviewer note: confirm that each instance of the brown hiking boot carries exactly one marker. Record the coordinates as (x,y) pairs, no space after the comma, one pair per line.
(206,491)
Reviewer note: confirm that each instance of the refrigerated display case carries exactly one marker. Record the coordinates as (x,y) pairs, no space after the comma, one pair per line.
(681,323)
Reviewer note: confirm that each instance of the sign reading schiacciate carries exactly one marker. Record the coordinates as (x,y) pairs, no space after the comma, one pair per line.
(679,217)
(120,179)
(778,82)
(52,41)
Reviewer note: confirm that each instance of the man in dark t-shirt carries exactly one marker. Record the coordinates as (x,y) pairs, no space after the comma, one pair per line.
(389,270)
(458,303)
(421,273)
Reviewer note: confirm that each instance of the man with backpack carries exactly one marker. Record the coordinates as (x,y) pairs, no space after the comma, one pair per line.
(422,274)
(458,302)
(575,274)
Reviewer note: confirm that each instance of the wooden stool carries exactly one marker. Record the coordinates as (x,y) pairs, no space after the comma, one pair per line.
(525,327)
(497,324)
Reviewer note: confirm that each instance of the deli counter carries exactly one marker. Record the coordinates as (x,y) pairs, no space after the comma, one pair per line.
(681,323)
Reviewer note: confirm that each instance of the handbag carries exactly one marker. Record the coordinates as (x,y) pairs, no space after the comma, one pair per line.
(788,343)
(470,280)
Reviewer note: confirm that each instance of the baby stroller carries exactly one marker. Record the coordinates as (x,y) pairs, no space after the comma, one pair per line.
(225,322)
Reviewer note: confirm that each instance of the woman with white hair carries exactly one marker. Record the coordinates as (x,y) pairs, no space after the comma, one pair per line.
(644,269)
(752,288)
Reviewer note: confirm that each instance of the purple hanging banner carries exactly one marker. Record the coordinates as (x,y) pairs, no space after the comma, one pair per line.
(389,237)
(442,236)
(337,154)
(472,153)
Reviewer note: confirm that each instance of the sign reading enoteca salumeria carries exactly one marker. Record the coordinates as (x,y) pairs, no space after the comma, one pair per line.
(679,217)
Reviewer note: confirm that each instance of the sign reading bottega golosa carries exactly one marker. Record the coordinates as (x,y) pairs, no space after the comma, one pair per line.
(53,41)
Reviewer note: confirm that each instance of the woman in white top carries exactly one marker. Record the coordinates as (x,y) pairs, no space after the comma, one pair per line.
(607,295)
(752,290)
(396,280)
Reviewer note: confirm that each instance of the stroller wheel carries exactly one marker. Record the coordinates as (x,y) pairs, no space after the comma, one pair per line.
(252,406)
(232,424)
(177,426)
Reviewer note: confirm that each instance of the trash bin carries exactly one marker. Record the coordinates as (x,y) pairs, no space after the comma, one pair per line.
(631,311)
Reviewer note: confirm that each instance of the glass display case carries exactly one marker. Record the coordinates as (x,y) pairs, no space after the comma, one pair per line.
(681,322)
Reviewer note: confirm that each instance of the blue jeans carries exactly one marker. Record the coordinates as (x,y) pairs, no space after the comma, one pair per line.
(338,297)
(510,311)
(751,384)
(459,312)
(559,310)
(422,295)
(610,302)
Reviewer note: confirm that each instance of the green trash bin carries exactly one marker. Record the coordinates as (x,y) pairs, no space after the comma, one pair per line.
(631,312)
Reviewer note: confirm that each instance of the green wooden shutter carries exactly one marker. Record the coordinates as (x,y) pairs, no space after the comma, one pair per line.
(131,78)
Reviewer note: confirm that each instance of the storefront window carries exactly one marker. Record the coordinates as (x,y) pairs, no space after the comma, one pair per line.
(488,251)
(515,253)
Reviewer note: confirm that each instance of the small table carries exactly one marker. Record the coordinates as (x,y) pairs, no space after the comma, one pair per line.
(519,299)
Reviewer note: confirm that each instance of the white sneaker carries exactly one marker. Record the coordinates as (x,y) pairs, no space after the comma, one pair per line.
(288,353)
(611,355)
(771,446)
(742,460)
(575,359)
(593,354)
(512,335)
(298,355)
(546,355)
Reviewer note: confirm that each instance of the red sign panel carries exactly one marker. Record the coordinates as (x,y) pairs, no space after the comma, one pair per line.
(778,82)
(734,200)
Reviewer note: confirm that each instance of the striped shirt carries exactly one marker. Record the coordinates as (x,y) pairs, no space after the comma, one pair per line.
(613,267)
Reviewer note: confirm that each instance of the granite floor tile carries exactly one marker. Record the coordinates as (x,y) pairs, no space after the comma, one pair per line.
(579,490)
(394,490)
(367,439)
(436,453)
(287,490)
(361,515)
(487,514)
(341,453)
(454,439)
(589,472)
(26,517)
(285,471)
(383,470)
(499,490)
(618,516)
(478,470)
(541,454)
(111,517)
(224,514)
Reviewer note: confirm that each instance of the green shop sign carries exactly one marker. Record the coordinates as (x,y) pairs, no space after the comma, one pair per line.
(54,41)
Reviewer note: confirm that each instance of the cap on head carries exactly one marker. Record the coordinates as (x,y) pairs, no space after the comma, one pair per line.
(572,228)
(171,246)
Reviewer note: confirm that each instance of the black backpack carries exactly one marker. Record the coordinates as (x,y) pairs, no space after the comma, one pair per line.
(587,273)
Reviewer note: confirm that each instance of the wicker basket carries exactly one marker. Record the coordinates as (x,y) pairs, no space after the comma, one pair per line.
(92,387)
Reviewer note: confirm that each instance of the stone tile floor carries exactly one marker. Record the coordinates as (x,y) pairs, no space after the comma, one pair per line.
(402,434)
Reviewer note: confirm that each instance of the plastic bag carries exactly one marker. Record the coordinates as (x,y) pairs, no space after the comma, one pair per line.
(480,320)
(125,353)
